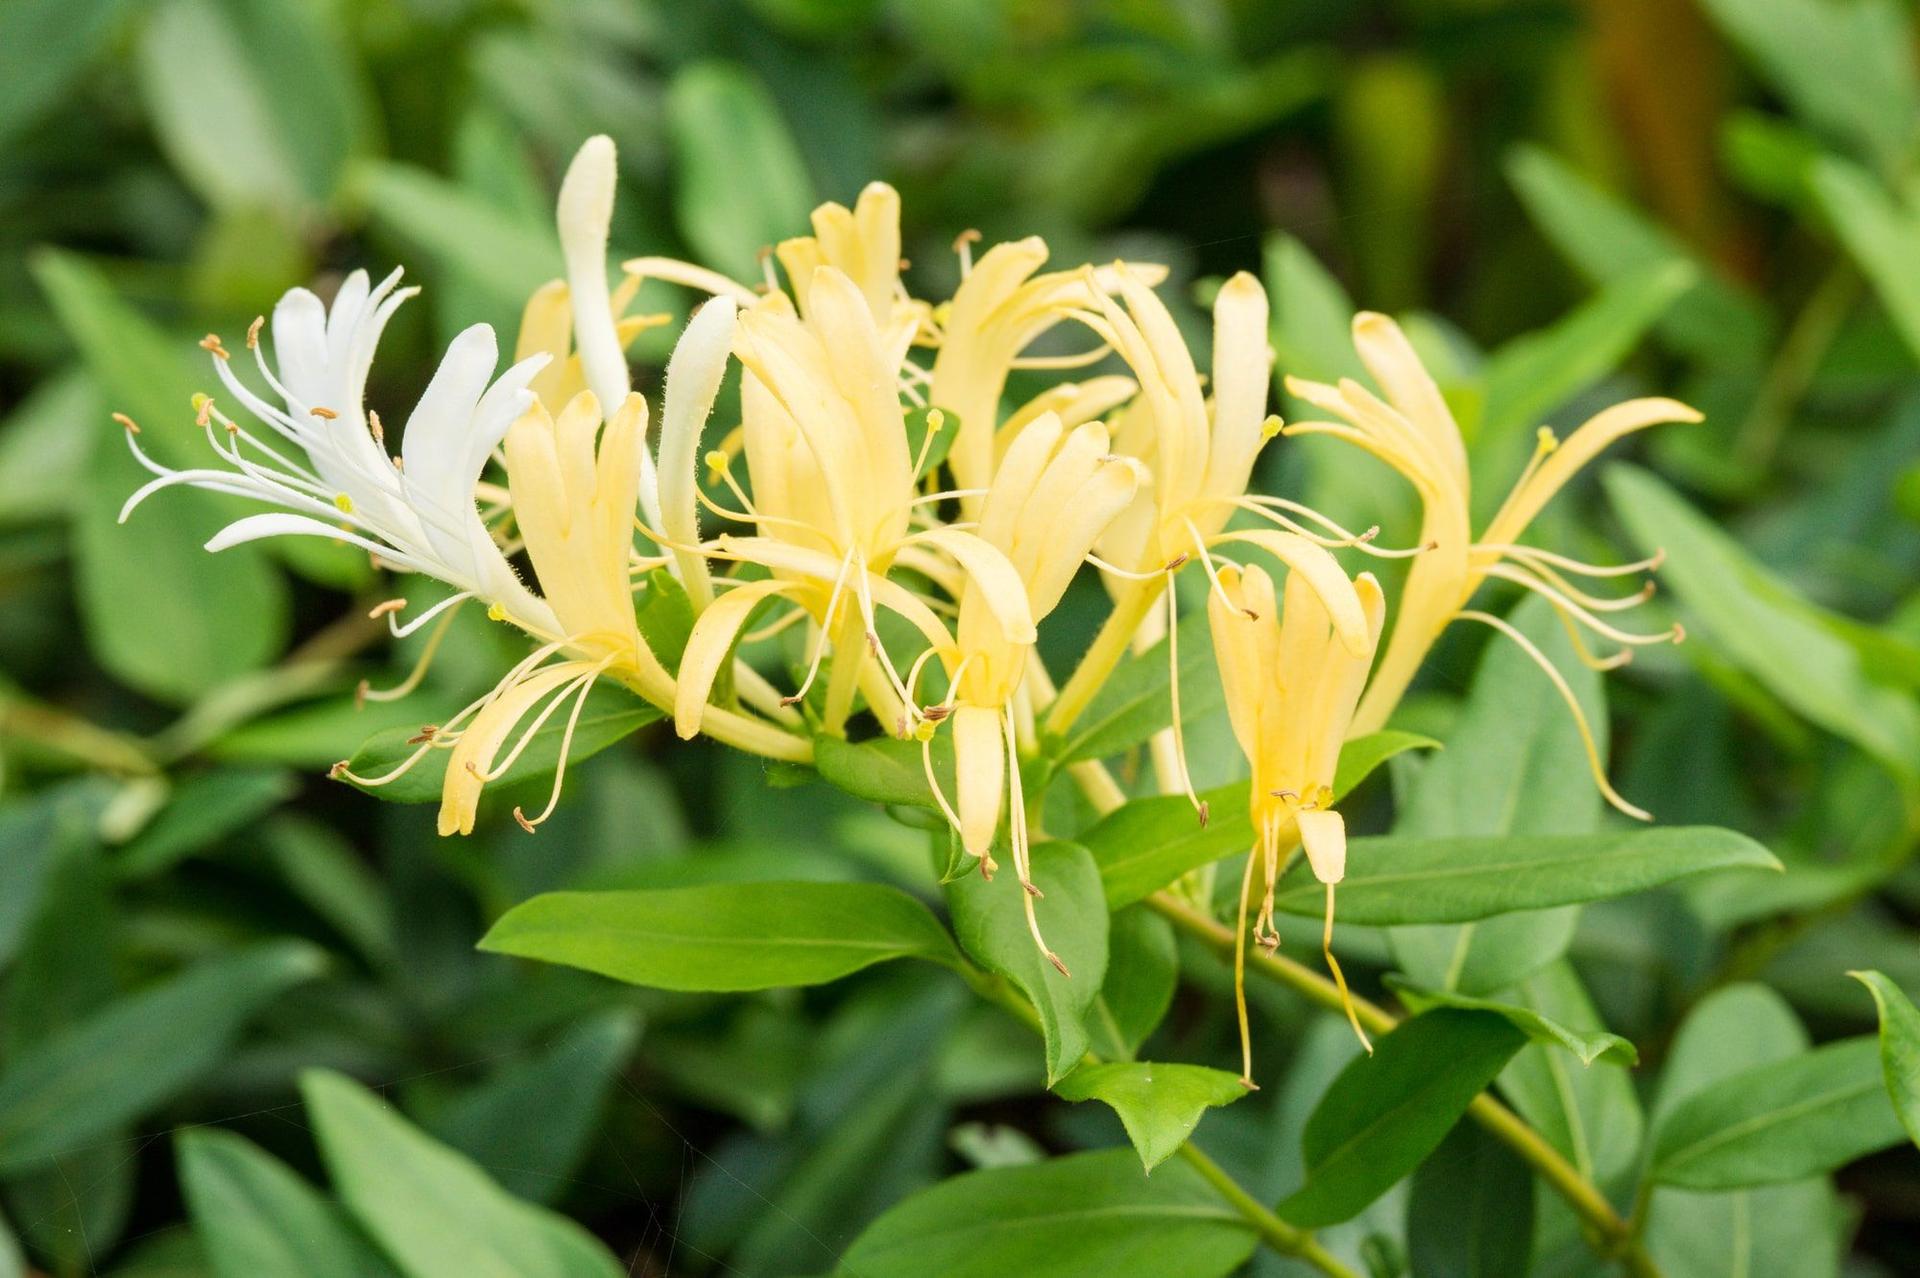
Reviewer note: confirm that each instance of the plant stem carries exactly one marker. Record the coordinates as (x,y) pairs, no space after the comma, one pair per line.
(1108,647)
(1275,1232)
(1616,1238)
(1796,363)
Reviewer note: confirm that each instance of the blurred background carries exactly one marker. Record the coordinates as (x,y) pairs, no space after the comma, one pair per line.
(1567,202)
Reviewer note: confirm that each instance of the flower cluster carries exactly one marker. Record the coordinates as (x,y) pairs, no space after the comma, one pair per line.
(876,468)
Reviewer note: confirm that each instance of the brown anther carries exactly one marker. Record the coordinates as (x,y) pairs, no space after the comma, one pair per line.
(1175,562)
(906,264)
(1033,889)
(325,414)
(338,770)
(474,769)
(873,642)
(1206,813)
(1432,545)
(1269,943)
(380,610)
(521,817)
(205,412)
(399,463)
(1285,794)
(360,691)
(132,427)
(795,699)
(211,342)
(1369,534)
(1058,965)
(373,424)
(987,867)
(1250,614)
(1679,633)
(966,237)
(1659,557)
(253,332)
(1249,1084)
(934,714)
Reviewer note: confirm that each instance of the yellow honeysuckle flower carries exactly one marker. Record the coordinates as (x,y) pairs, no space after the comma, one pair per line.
(1000,308)
(1052,496)
(1413,431)
(1292,669)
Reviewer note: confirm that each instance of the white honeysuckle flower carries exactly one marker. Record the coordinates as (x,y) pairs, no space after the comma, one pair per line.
(694,373)
(329,470)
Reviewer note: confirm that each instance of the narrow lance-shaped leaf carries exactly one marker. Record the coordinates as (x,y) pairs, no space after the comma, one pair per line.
(1899,1047)
(254,1215)
(724,936)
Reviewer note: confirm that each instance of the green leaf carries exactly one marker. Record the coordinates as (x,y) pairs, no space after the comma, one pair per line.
(990,920)
(1065,1218)
(1151,842)
(252,101)
(1387,1111)
(740,184)
(1531,376)
(1781,1121)
(505,255)
(1771,1231)
(136,1053)
(254,1215)
(724,936)
(1606,239)
(1135,702)
(434,1212)
(1587,1046)
(1312,314)
(885,769)
(1899,1047)
(201,811)
(1158,1104)
(1766,629)
(1143,968)
(1880,233)
(160,613)
(612,713)
(1514,764)
(1392,881)
(1846,66)
(1470,1214)
(533,1121)
(44,46)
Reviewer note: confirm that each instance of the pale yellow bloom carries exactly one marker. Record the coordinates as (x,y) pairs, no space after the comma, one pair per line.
(1292,670)
(1413,431)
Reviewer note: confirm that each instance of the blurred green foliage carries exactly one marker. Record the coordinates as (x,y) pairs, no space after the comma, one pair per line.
(201,940)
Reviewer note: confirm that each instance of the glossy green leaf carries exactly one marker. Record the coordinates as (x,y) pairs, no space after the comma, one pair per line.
(430,1209)
(723,936)
(1064,1218)
(1749,614)
(532,1122)
(1587,1046)
(1514,764)
(991,923)
(885,769)
(1143,969)
(255,1216)
(612,714)
(1780,1121)
(740,185)
(1389,1110)
(138,1051)
(1392,881)
(1470,1214)
(1789,1230)
(1151,842)
(1846,66)
(1899,1047)
(1158,1104)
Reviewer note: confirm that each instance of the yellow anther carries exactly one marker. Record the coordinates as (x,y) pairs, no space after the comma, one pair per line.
(1547,440)
(924,730)
(717,462)
(496,613)
(211,342)
(344,502)
(936,421)
(373,424)
(253,331)
(202,408)
(1271,427)
(325,414)
(132,427)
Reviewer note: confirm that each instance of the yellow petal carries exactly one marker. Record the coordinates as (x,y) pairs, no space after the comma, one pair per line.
(996,579)
(480,743)
(980,772)
(1323,573)
(1241,372)
(1390,357)
(1323,833)
(709,643)
(1576,451)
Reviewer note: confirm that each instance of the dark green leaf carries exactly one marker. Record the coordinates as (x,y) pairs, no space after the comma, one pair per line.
(1781,1121)
(1471,1211)
(1590,1113)
(1387,1111)
(44,46)
(1587,1046)
(1143,967)
(121,1062)
(201,811)
(1135,702)
(1065,1218)
(724,936)
(1158,1104)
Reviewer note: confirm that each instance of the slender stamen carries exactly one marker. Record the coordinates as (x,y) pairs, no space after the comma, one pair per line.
(1078,360)
(793,617)
(826,628)
(963,245)
(1594,762)
(1213,576)
(1567,564)
(936,422)
(366,692)
(1022,853)
(1339,977)
(1173,690)
(1587,600)
(566,746)
(1240,972)
(1520,577)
